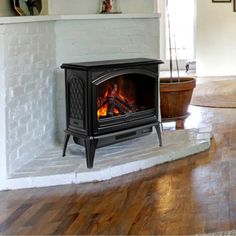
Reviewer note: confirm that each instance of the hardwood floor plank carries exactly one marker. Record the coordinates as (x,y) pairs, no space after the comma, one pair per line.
(63,226)
(13,217)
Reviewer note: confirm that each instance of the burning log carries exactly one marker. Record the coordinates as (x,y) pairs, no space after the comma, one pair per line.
(121,107)
(101,102)
(115,103)
(126,103)
(111,106)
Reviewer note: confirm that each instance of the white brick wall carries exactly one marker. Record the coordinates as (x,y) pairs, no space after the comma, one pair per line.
(103,39)
(31,55)
(3,164)
(73,7)
(30,107)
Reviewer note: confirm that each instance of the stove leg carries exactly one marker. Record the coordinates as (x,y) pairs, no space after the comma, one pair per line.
(158,129)
(90,148)
(67,137)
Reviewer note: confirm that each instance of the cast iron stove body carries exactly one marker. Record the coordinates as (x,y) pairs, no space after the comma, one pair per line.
(111,101)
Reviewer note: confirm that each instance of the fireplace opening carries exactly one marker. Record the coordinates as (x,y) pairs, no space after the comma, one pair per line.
(111,101)
(125,94)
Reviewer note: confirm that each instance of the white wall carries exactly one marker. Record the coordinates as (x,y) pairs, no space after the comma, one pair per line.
(70,7)
(3,165)
(104,39)
(27,91)
(5,8)
(216,37)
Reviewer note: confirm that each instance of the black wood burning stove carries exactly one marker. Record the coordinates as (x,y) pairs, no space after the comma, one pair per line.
(111,101)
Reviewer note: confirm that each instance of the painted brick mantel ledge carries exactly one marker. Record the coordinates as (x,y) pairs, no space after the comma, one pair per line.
(23,19)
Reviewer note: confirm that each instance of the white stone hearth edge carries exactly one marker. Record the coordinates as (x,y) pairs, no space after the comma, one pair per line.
(50,168)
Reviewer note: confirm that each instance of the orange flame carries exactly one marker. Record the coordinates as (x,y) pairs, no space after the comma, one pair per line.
(102,112)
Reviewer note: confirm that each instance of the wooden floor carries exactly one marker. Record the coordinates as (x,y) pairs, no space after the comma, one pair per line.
(193,195)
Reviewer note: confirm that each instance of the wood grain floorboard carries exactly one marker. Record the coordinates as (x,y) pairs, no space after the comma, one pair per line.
(190,196)
(13,217)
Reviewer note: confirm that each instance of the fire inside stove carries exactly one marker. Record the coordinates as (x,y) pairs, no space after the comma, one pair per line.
(124,94)
(114,103)
(118,99)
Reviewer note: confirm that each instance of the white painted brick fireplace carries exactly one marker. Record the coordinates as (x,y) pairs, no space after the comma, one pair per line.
(29,62)
(32,117)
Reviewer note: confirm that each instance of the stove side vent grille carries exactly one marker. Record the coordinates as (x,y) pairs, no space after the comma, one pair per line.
(76,100)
